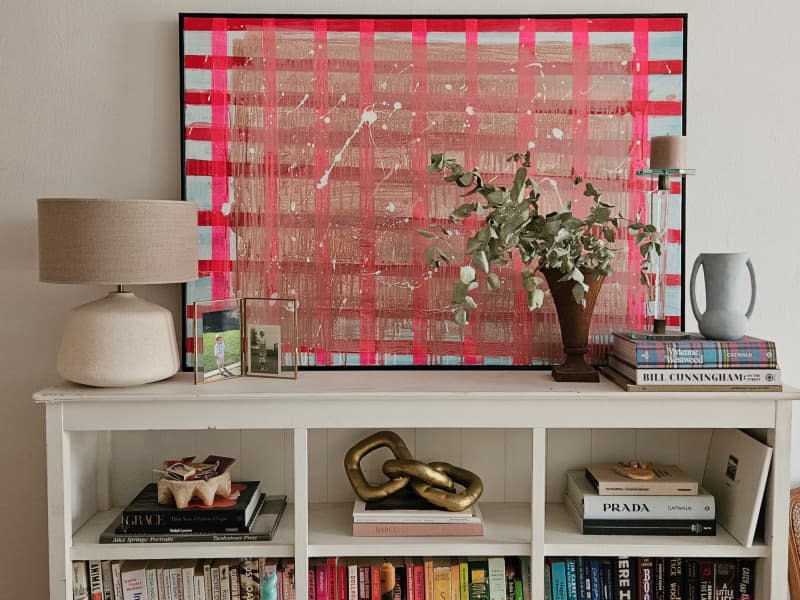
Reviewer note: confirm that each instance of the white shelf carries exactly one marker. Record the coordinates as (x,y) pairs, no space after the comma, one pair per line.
(86,547)
(507,525)
(562,538)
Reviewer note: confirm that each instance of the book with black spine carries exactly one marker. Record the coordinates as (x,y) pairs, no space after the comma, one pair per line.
(691,576)
(626,578)
(645,579)
(261,529)
(700,376)
(145,515)
(675,578)
(705,578)
(745,579)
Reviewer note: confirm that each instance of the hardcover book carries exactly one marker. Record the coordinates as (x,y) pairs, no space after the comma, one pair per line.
(724,580)
(409,510)
(145,515)
(646,579)
(696,352)
(478,579)
(415,529)
(639,526)
(736,474)
(594,506)
(699,376)
(668,480)
(261,529)
(745,579)
(631,386)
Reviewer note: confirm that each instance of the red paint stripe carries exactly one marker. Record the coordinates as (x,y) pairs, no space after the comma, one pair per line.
(580,89)
(322,159)
(419,162)
(214,266)
(270,243)
(638,198)
(611,24)
(220,243)
(367,326)
(674,236)
(293,65)
(673,280)
(523,340)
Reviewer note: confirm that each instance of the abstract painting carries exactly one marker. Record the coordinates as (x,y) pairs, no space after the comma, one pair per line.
(306,141)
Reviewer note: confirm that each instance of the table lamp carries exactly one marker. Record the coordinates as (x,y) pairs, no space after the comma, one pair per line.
(119,340)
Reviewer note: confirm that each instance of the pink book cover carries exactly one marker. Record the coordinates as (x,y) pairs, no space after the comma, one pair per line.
(409,579)
(341,582)
(312,585)
(419,582)
(322,582)
(417,529)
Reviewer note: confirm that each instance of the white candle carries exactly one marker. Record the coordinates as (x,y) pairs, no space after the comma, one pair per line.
(668,152)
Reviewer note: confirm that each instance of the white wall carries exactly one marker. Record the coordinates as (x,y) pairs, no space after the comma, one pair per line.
(89,99)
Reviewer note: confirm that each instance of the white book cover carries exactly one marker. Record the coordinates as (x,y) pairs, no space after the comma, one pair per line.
(151,579)
(594,506)
(497,578)
(736,474)
(80,581)
(399,515)
(133,580)
(108,582)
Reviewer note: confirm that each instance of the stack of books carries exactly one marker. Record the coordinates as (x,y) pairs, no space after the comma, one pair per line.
(408,515)
(248,516)
(604,502)
(689,362)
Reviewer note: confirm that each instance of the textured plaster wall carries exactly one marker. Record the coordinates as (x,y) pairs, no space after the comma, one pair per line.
(89,106)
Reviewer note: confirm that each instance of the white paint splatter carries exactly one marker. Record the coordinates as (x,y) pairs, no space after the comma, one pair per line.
(226,208)
(368,117)
(448,87)
(624,63)
(558,133)
(326,119)
(293,207)
(469,110)
(531,145)
(391,207)
(292,167)
(293,238)
(301,103)
(398,105)
(384,127)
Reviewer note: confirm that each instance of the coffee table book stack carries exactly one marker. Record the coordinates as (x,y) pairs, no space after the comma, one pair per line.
(250,516)
(691,363)
(406,515)
(602,501)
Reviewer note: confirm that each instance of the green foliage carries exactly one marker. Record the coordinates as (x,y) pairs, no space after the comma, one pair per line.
(513,224)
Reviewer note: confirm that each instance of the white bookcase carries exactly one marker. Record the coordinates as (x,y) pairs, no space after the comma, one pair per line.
(519,430)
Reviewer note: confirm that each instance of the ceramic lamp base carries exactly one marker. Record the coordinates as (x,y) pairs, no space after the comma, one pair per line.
(118,341)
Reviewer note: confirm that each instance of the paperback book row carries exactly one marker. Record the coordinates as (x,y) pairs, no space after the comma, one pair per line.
(649,578)
(689,362)
(249,516)
(494,578)
(191,579)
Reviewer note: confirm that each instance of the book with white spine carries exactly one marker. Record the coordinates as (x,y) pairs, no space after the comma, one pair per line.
(594,506)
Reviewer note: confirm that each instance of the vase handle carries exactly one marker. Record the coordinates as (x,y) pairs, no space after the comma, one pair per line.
(752,289)
(697,263)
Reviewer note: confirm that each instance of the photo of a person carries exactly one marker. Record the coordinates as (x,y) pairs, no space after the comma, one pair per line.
(264,342)
(222,344)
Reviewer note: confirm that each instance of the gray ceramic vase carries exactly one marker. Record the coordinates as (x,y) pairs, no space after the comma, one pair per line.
(723,318)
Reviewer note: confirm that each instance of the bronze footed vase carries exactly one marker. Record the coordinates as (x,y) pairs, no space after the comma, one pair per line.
(574,320)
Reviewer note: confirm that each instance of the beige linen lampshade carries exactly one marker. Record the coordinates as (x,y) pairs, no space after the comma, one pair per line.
(120,340)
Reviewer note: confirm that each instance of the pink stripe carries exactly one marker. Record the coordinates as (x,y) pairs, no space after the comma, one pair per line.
(367,316)
(419,162)
(522,351)
(322,160)
(471,159)
(220,241)
(271,147)
(580,96)
(638,198)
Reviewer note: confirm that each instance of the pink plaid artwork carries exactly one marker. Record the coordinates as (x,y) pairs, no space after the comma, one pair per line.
(306,142)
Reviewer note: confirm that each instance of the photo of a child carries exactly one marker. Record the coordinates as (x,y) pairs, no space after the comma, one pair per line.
(222,345)
(264,342)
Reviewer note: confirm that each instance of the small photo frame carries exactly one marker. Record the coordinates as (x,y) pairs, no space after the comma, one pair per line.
(255,337)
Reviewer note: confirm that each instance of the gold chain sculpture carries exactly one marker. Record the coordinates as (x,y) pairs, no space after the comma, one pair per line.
(434,482)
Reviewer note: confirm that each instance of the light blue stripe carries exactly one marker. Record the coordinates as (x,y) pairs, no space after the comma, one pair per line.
(664,126)
(553,36)
(665,87)
(204,242)
(674,212)
(198,150)
(198,190)
(673,259)
(197,79)
(498,37)
(449,37)
(665,45)
(197,42)
(498,360)
(607,38)
(672,301)
(197,114)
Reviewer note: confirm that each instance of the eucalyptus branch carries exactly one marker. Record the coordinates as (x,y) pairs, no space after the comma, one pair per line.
(512,224)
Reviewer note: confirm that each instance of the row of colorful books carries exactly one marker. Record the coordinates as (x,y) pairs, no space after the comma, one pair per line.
(494,578)
(689,362)
(220,579)
(247,516)
(649,578)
